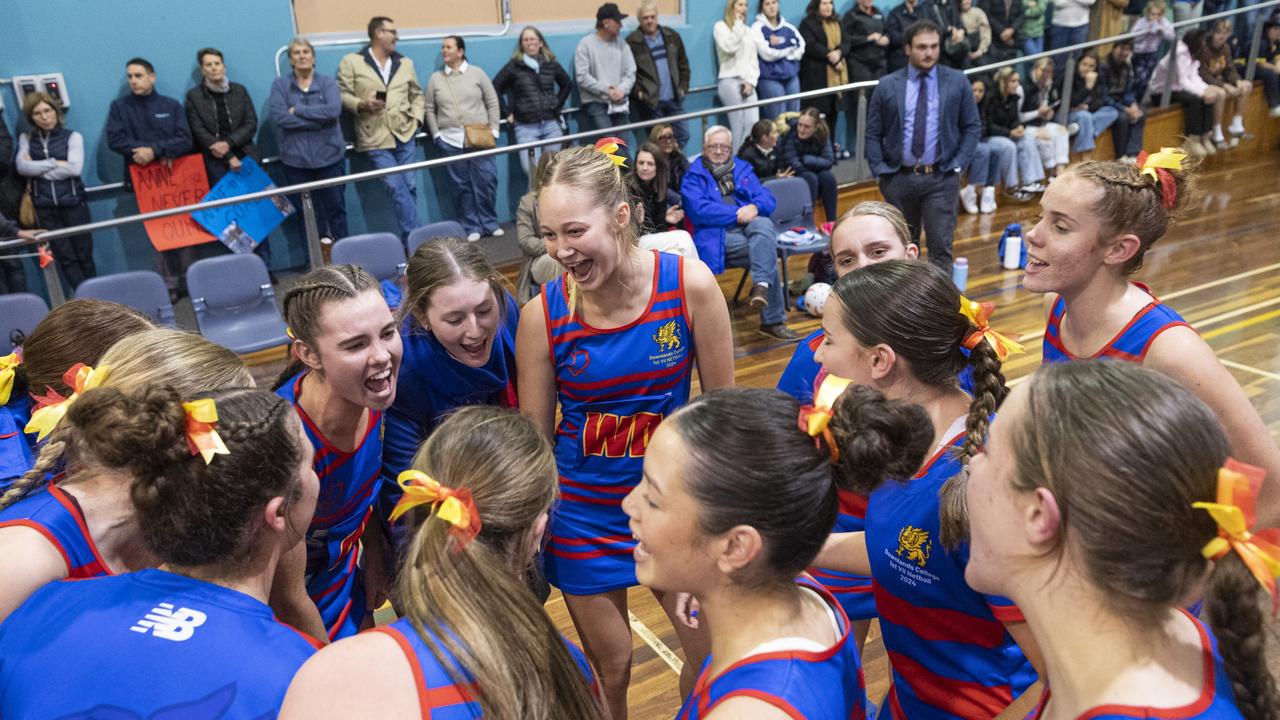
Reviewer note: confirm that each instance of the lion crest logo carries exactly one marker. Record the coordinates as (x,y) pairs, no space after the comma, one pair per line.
(914,545)
(667,337)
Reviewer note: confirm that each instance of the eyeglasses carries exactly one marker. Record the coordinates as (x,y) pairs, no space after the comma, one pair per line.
(393,33)
(665,137)
(718,147)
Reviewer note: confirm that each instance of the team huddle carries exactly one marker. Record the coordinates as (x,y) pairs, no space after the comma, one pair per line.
(178,543)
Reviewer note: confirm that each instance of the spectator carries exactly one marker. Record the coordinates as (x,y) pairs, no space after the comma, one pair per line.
(730,209)
(1218,70)
(657,206)
(662,70)
(739,66)
(1070,23)
(1032,27)
(606,72)
(462,104)
(1106,19)
(221,116)
(51,157)
(13,278)
(1003,114)
(1038,110)
(664,136)
(145,126)
(993,158)
(1268,67)
(1118,88)
(1187,10)
(761,152)
(1189,90)
(537,268)
(1153,28)
(779,47)
(922,128)
(1005,17)
(379,86)
(864,25)
(977,29)
(532,88)
(906,15)
(1088,110)
(825,49)
(305,106)
(806,151)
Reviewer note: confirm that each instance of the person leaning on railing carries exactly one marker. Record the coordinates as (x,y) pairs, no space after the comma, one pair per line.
(532,88)
(221,116)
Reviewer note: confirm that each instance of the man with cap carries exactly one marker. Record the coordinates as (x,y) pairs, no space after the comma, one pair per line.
(606,72)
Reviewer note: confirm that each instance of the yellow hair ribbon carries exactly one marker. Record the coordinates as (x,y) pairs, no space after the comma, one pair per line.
(1167,158)
(455,507)
(815,419)
(202,434)
(8,368)
(80,378)
(980,315)
(610,146)
(1238,486)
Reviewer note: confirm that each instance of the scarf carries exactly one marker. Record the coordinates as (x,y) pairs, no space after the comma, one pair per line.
(724,177)
(221,88)
(530,61)
(835,76)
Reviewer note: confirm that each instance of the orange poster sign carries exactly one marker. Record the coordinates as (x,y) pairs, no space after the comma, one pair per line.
(160,186)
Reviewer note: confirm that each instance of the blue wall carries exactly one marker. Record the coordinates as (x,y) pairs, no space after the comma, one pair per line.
(89,43)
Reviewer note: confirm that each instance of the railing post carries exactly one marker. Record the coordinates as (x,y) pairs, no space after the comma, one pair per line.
(1172,74)
(52,281)
(861,170)
(1068,81)
(532,161)
(315,257)
(1254,43)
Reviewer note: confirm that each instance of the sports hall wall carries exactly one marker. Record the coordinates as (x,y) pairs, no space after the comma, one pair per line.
(89,43)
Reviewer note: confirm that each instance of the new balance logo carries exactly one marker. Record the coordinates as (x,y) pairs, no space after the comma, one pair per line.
(165,622)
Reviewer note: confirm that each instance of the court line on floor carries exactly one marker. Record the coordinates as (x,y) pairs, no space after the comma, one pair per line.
(1250,369)
(655,643)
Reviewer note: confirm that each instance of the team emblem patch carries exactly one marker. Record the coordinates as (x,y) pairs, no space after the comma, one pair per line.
(668,336)
(914,545)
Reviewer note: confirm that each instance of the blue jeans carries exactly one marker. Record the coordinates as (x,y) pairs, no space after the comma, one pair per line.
(403,186)
(1092,125)
(475,189)
(979,169)
(769,88)
(1031,46)
(1030,166)
(994,162)
(528,132)
(664,108)
(755,247)
(1060,37)
(330,203)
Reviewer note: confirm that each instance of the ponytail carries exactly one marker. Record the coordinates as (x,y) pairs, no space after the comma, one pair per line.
(1233,604)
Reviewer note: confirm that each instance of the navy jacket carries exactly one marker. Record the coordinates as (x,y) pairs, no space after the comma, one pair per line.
(153,121)
(310,136)
(959,130)
(711,215)
(804,155)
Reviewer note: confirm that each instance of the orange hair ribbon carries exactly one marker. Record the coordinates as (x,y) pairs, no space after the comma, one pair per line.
(980,315)
(202,434)
(609,146)
(815,419)
(455,507)
(1157,168)
(80,378)
(1238,486)
(8,368)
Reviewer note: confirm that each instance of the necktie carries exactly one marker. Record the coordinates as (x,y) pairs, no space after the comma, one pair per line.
(922,111)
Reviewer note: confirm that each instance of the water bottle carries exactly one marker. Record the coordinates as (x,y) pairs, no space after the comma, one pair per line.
(960,273)
(1011,253)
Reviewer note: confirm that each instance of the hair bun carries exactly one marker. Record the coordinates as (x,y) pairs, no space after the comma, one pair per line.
(879,439)
(140,431)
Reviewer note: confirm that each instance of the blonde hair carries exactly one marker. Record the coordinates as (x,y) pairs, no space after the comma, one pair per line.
(729,18)
(34,99)
(472,602)
(443,261)
(184,361)
(646,5)
(891,214)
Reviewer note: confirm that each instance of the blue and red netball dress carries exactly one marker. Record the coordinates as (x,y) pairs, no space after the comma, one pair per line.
(614,387)
(1131,343)
(439,696)
(800,376)
(1216,701)
(56,515)
(948,649)
(810,685)
(348,488)
(16,452)
(149,645)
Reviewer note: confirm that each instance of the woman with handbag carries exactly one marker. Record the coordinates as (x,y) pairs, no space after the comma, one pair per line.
(51,157)
(462,115)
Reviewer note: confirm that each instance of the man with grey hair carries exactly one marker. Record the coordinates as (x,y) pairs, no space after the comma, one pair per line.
(730,209)
(606,71)
(662,70)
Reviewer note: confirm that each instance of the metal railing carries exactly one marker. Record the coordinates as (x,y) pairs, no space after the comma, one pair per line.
(315,258)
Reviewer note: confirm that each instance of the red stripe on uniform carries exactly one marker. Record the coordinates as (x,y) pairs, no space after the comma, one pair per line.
(852,503)
(939,624)
(624,392)
(623,379)
(575,497)
(961,698)
(588,554)
(98,566)
(611,489)
(591,540)
(764,697)
(572,335)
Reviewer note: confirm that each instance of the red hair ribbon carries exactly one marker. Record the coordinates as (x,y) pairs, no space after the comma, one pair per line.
(455,507)
(51,407)
(1237,496)
(814,420)
(1157,168)
(609,146)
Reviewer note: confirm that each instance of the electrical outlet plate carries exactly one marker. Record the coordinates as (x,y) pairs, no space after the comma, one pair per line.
(51,83)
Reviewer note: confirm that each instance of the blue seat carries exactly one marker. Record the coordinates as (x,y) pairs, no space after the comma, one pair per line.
(380,254)
(794,209)
(19,315)
(142,290)
(444,228)
(234,303)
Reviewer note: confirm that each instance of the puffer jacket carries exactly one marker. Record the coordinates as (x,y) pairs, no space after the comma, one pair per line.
(532,96)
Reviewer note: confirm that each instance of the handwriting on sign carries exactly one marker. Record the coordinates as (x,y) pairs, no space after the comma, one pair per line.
(160,186)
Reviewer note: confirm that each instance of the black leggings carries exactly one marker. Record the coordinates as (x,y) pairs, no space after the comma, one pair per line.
(1197,114)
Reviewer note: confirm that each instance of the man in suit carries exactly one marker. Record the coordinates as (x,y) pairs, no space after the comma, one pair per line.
(922,127)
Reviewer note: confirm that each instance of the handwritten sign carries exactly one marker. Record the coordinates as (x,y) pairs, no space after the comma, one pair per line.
(241,227)
(160,186)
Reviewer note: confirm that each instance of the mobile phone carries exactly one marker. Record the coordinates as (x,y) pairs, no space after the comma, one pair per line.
(380,95)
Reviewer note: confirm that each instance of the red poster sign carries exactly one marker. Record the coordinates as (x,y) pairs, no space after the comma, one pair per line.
(160,186)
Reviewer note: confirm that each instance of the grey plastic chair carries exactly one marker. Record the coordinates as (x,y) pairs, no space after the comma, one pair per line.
(444,228)
(19,315)
(380,254)
(234,303)
(794,209)
(142,290)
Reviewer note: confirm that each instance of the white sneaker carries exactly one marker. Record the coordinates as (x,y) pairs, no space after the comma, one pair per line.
(499,232)
(1073,129)
(1036,187)
(1237,126)
(988,202)
(969,198)
(1127,159)
(472,237)
(1218,137)
(1275,112)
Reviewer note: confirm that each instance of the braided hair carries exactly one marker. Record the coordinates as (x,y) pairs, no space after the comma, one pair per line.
(304,301)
